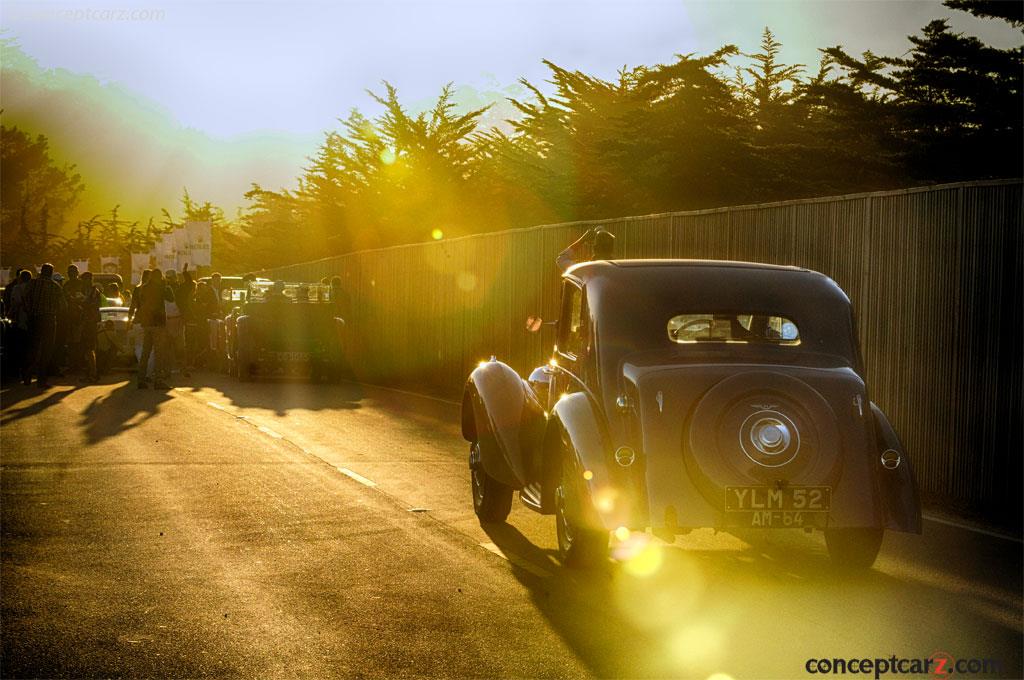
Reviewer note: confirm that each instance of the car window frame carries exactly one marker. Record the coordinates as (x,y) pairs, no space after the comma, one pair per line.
(570,289)
(764,342)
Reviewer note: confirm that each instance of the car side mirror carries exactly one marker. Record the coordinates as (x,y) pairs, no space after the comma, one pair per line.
(535,323)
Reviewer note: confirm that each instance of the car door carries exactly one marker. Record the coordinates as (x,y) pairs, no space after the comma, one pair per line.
(572,355)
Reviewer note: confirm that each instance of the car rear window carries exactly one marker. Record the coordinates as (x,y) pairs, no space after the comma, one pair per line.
(738,328)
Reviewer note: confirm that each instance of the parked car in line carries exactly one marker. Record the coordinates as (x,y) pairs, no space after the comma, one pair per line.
(113,333)
(230,283)
(286,329)
(101,279)
(684,394)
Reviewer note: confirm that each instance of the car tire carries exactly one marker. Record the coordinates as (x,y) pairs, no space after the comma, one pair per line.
(579,546)
(492,500)
(855,548)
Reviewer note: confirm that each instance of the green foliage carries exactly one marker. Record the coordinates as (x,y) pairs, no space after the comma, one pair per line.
(35,194)
(1012,11)
(955,104)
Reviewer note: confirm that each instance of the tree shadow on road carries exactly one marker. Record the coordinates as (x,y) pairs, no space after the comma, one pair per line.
(120,410)
(758,610)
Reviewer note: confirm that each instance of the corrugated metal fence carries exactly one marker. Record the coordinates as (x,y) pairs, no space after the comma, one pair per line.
(935,275)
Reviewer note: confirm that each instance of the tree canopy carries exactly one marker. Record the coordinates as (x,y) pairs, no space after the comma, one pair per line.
(701,131)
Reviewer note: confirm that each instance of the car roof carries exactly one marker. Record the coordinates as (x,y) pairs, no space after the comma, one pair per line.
(584,268)
(632,300)
(710,278)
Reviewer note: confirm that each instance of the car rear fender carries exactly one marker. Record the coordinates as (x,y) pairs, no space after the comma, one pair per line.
(897,486)
(502,413)
(575,421)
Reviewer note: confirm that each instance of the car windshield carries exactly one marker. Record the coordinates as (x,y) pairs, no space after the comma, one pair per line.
(114,313)
(733,328)
(232,294)
(293,292)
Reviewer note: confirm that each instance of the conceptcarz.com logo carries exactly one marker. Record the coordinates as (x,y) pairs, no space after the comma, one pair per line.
(939,665)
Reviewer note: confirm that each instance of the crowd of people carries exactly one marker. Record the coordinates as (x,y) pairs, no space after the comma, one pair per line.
(54,326)
(172,310)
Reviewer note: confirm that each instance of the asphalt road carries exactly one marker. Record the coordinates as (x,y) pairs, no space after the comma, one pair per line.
(286,529)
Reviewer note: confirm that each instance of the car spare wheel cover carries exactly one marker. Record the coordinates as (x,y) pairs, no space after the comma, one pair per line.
(761,428)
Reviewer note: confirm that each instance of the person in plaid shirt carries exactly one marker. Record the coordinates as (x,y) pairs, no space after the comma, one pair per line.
(45,301)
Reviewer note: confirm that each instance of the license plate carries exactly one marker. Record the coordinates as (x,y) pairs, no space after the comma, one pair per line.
(771,499)
(776,519)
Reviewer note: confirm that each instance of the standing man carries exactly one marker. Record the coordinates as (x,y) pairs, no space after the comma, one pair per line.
(133,304)
(17,311)
(68,350)
(45,302)
(151,316)
(595,244)
(215,283)
(175,328)
(184,295)
(204,309)
(91,298)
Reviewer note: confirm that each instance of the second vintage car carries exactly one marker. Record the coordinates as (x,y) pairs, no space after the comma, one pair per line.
(286,329)
(684,394)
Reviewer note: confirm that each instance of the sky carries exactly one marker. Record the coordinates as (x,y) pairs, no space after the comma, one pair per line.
(147,99)
(230,68)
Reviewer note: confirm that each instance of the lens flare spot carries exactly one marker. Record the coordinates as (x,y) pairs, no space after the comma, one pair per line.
(387,157)
(645,561)
(697,647)
(466,281)
(437,234)
(604,499)
(622,533)
(661,590)
(588,475)
(720,676)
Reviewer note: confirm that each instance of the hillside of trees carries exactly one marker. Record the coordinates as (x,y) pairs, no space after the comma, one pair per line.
(705,130)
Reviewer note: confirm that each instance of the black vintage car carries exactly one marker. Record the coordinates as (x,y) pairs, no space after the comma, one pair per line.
(684,394)
(286,329)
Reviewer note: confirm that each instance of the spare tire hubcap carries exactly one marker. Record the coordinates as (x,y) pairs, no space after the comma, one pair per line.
(769,438)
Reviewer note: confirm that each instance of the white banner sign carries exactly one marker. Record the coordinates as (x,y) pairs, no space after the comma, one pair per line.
(197,244)
(110,264)
(166,256)
(83,265)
